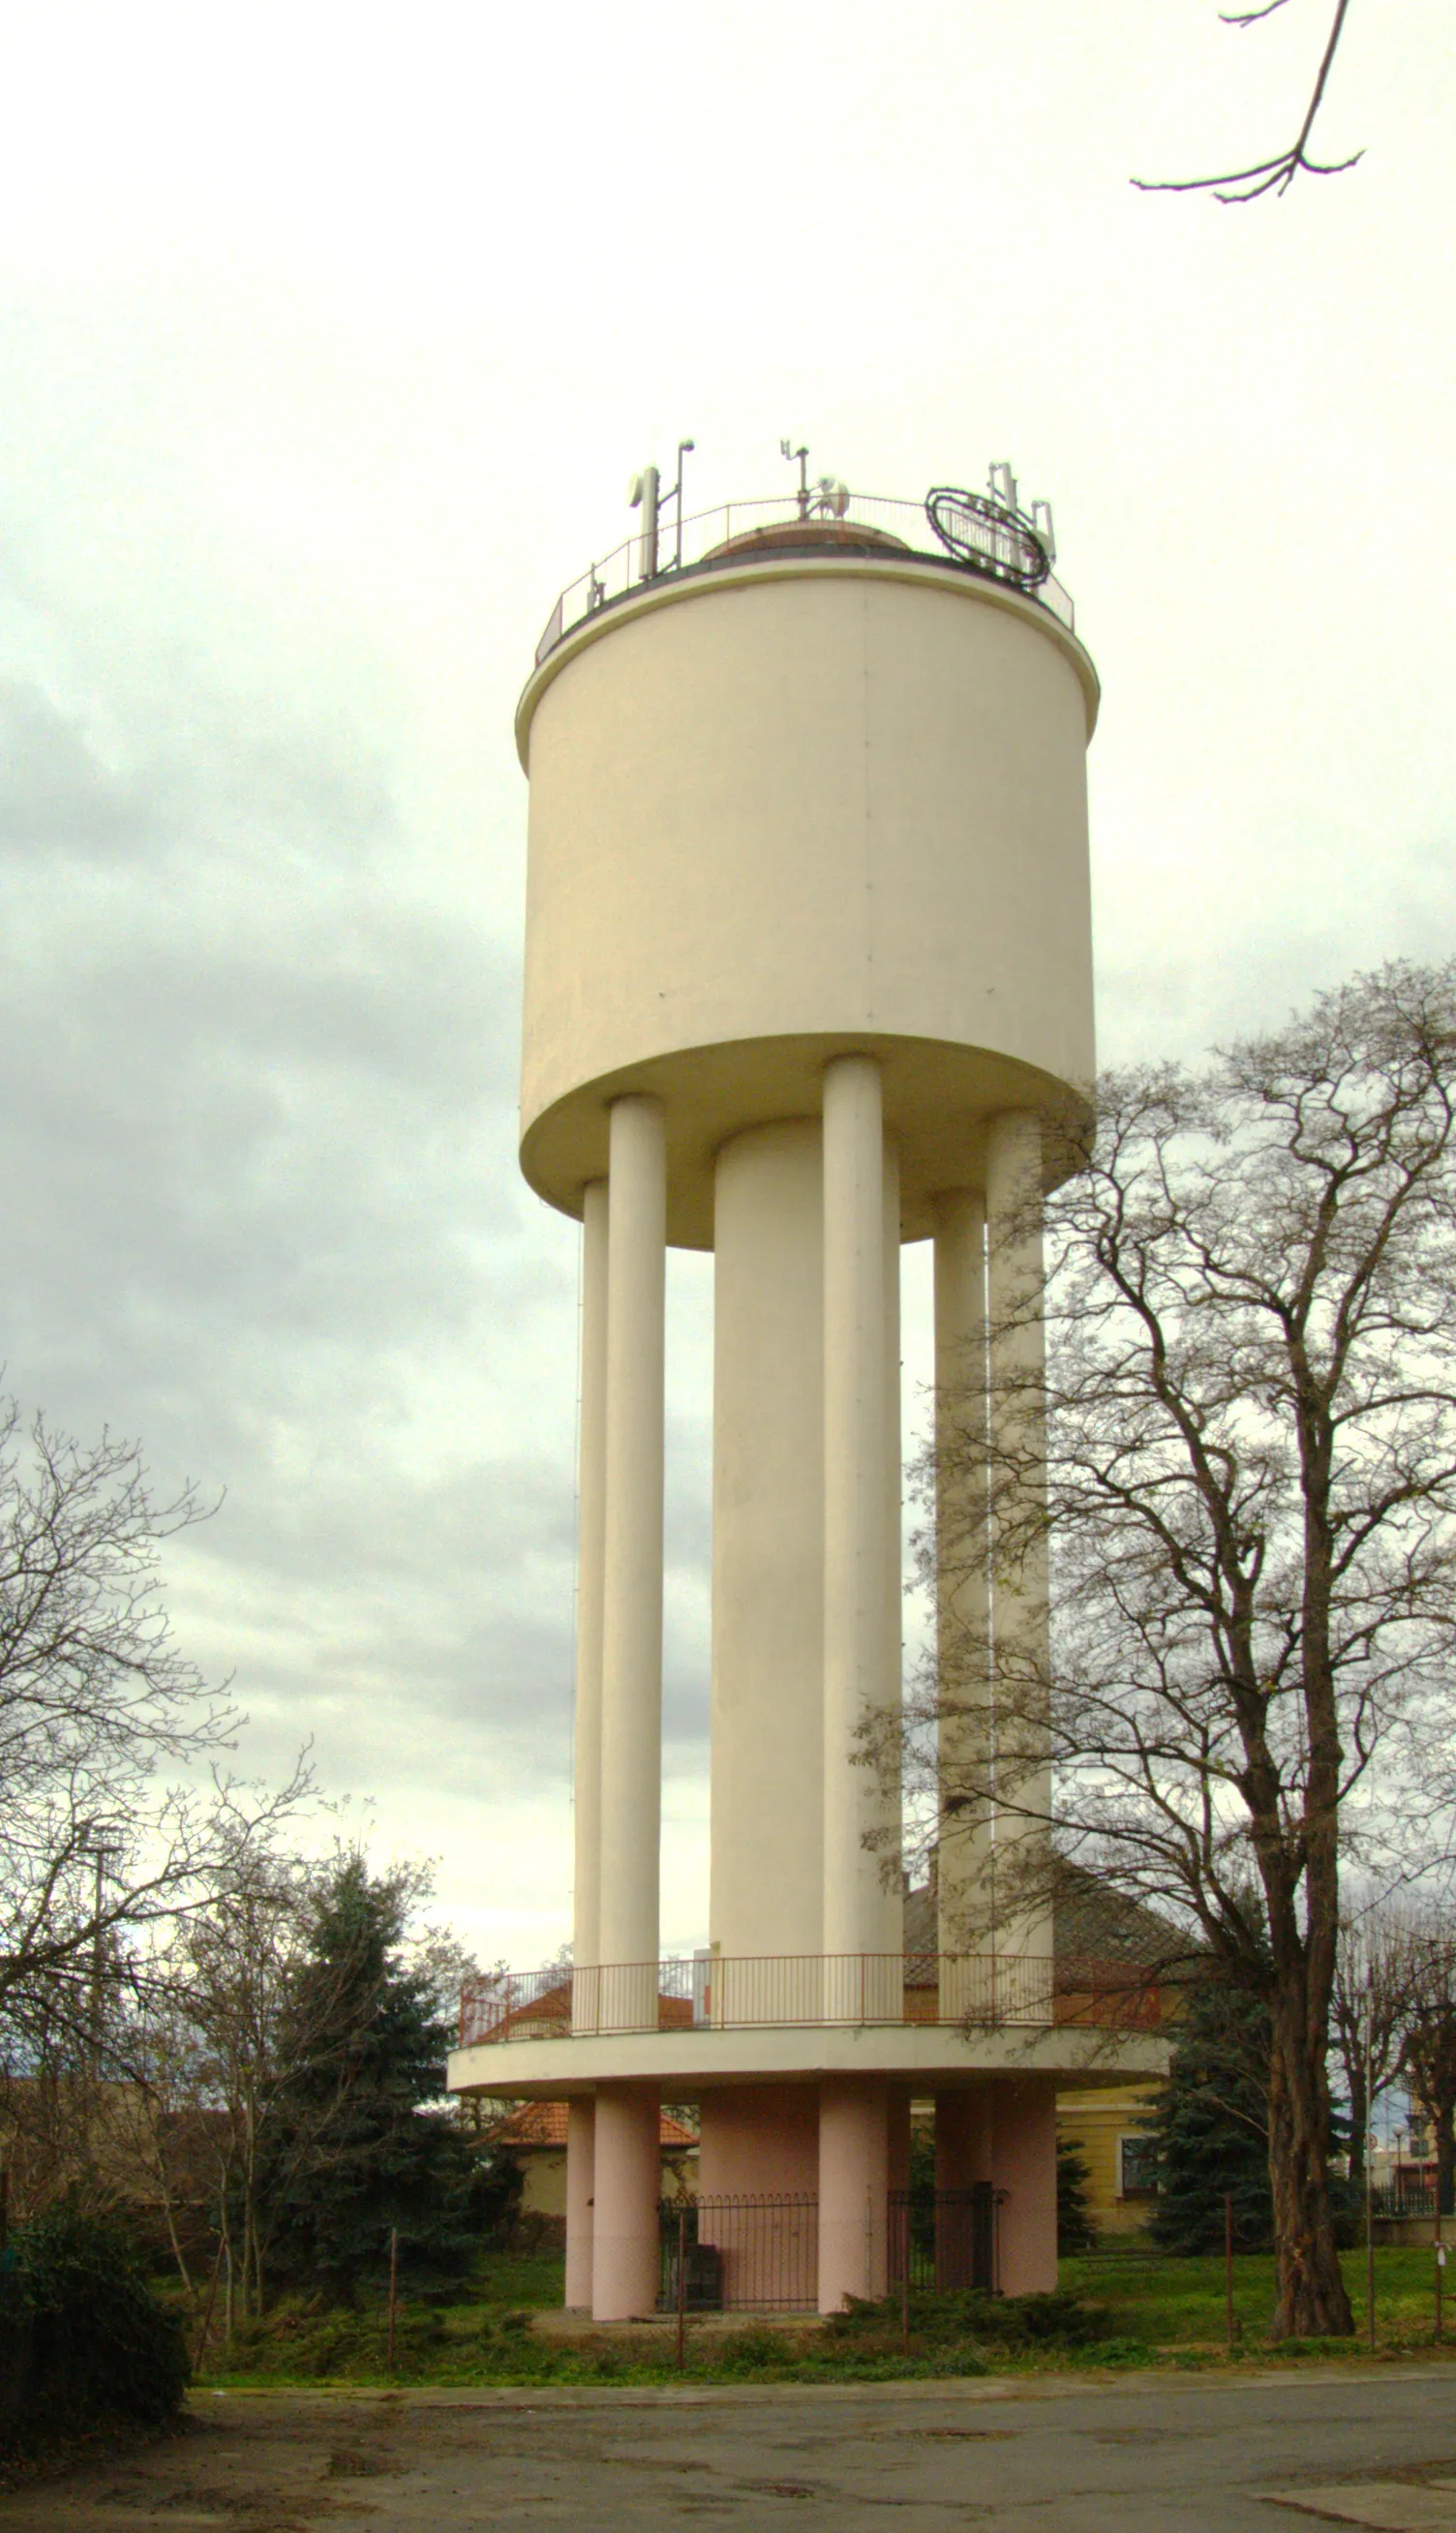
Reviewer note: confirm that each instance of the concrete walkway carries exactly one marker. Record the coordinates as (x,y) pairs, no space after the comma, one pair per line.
(1345,2444)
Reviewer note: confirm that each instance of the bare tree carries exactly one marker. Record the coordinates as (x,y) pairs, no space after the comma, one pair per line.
(1269,175)
(1369,2010)
(1242,1454)
(250,2010)
(97,1708)
(248,2007)
(1428,2057)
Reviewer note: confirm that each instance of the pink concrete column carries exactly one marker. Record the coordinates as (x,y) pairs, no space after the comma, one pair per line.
(581,2139)
(759,2141)
(965,2158)
(897,2131)
(897,2178)
(1026,2178)
(628,2180)
(853,2181)
(965,2137)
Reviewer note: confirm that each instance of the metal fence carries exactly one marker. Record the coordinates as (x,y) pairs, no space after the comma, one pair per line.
(946,2237)
(711,1993)
(741,2254)
(1409,2195)
(712,535)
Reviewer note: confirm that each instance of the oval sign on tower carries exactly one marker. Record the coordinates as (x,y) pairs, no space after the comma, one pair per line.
(989,536)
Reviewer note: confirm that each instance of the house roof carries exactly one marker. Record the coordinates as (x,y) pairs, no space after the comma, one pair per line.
(1090,1923)
(544,2124)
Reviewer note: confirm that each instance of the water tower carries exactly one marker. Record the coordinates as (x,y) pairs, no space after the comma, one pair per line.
(808,974)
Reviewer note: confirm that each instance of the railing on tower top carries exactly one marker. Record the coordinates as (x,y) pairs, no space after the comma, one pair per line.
(709,538)
(709,1993)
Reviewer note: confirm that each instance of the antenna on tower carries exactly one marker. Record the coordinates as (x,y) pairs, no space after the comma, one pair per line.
(645,493)
(829,496)
(788,450)
(642,494)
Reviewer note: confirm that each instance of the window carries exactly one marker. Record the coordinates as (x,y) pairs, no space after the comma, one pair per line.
(1136,2168)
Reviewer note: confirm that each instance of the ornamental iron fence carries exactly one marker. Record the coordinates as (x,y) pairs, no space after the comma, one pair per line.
(739,2254)
(946,2237)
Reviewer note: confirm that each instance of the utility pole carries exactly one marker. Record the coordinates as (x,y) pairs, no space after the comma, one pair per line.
(1369,2141)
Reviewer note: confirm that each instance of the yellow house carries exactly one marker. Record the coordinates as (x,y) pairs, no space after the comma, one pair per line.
(1096,1923)
(1105,2129)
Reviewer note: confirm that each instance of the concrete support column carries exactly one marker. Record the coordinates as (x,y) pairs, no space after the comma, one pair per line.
(965,2137)
(1021,1616)
(963,1598)
(1026,2177)
(632,1566)
(857,1563)
(898,2166)
(581,2135)
(885,1785)
(854,2187)
(767,1787)
(629,2183)
(591,1545)
(759,2142)
(966,2242)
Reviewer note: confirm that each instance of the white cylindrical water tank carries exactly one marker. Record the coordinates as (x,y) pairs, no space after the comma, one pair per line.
(795,806)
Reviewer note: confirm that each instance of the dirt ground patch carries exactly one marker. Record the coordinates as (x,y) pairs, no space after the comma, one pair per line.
(274,2466)
(1198,2455)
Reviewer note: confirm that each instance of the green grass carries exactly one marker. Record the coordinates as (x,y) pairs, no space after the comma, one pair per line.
(1138,2310)
(528,2280)
(1177,2302)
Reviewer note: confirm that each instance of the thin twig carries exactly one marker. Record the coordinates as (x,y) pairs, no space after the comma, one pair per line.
(1271,175)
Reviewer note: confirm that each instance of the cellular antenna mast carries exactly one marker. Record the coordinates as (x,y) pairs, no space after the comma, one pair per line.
(788,450)
(645,493)
(827,498)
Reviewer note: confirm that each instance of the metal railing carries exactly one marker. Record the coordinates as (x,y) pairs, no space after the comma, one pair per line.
(947,2238)
(709,1992)
(742,2255)
(710,539)
(1411,2196)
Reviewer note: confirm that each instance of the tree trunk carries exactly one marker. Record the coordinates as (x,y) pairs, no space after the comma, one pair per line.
(1311,2299)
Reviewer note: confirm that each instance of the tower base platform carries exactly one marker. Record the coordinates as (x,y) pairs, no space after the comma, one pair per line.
(804,2196)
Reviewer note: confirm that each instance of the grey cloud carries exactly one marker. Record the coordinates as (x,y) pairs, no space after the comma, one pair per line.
(256,1071)
(55,792)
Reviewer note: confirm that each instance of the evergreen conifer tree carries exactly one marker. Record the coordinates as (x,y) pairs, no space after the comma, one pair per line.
(351,2152)
(1076,2226)
(1210,2131)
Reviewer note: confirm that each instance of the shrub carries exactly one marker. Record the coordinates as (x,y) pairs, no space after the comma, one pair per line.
(994,2321)
(754,2351)
(83,2339)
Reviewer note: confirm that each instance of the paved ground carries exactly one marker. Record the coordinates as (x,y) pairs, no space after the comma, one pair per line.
(1164,2457)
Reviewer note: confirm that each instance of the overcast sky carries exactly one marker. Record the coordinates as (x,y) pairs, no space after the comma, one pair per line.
(329,337)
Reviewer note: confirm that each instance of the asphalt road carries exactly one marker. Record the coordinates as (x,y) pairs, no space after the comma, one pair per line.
(1163,2456)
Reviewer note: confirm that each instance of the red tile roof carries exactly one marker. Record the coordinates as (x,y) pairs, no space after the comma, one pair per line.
(538,2124)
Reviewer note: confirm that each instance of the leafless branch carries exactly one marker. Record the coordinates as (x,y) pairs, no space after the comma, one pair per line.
(1269,175)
